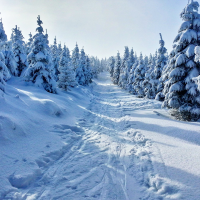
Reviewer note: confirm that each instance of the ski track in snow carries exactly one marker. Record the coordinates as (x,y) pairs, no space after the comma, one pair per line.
(109,159)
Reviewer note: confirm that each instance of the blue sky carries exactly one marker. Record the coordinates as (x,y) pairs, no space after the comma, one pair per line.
(102,27)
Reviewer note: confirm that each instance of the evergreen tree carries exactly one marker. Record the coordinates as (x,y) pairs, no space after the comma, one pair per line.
(6,73)
(180,90)
(2,82)
(156,85)
(116,73)
(3,36)
(75,57)
(88,71)
(18,50)
(55,60)
(123,69)
(147,81)
(29,44)
(66,77)
(10,60)
(131,78)
(111,66)
(38,71)
(139,74)
(80,75)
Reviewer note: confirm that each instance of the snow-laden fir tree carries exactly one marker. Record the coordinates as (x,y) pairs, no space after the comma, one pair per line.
(123,69)
(111,66)
(75,57)
(3,36)
(2,82)
(180,90)
(60,50)
(80,76)
(18,50)
(10,60)
(139,74)
(131,78)
(55,60)
(116,73)
(156,84)
(147,81)
(29,43)
(66,77)
(88,71)
(6,73)
(38,71)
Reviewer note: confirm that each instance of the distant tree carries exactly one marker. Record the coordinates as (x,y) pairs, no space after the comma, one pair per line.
(123,69)
(116,73)
(38,71)
(111,66)
(80,75)
(29,44)
(139,74)
(55,60)
(75,57)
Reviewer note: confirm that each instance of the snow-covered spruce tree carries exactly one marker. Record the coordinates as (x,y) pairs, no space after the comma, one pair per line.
(55,60)
(38,71)
(80,76)
(123,69)
(3,36)
(181,94)
(75,57)
(6,73)
(3,44)
(60,50)
(88,71)
(10,60)
(111,66)
(131,78)
(2,82)
(117,69)
(18,50)
(29,43)
(156,84)
(139,77)
(147,81)
(66,77)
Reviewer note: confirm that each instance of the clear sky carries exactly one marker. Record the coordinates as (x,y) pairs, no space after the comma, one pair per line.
(102,27)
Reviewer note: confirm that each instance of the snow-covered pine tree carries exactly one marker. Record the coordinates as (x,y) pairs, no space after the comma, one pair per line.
(116,73)
(139,74)
(60,50)
(88,71)
(18,50)
(66,77)
(10,60)
(75,57)
(131,78)
(2,82)
(28,44)
(123,69)
(156,85)
(80,76)
(3,43)
(3,36)
(147,81)
(55,60)
(111,66)
(180,90)
(38,71)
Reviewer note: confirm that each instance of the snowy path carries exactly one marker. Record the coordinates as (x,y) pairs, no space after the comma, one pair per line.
(113,158)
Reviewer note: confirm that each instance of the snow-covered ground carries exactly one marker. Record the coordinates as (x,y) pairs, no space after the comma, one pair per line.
(96,142)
